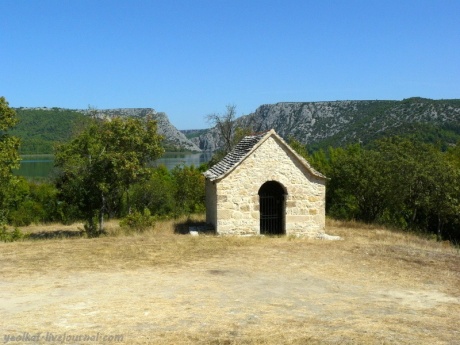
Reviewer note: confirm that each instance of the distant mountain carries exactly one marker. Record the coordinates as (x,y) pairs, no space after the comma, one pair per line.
(316,124)
(174,139)
(40,128)
(338,123)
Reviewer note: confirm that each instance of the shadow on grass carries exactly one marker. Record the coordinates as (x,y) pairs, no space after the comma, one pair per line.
(184,228)
(55,234)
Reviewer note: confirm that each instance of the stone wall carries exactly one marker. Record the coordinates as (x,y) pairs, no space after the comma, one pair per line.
(237,199)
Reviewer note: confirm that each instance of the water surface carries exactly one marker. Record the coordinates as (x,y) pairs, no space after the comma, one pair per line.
(42,166)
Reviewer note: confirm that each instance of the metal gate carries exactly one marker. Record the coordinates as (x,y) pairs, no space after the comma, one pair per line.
(271,202)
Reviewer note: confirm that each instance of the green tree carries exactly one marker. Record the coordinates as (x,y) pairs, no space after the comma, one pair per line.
(298,147)
(9,157)
(357,186)
(190,191)
(424,184)
(100,164)
(33,202)
(453,156)
(156,194)
(401,182)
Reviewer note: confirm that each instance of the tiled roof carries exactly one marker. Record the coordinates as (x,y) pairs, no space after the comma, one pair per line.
(243,149)
(234,157)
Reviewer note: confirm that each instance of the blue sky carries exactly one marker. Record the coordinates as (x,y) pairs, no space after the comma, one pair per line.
(191,58)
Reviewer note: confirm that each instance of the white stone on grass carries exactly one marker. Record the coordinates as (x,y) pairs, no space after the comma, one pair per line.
(329,237)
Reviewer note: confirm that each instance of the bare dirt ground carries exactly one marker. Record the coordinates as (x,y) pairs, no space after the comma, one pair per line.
(373,287)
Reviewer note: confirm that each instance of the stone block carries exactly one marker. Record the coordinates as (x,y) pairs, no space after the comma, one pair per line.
(236,215)
(224,214)
(222,198)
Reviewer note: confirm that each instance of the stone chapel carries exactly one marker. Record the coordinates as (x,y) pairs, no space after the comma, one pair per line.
(263,187)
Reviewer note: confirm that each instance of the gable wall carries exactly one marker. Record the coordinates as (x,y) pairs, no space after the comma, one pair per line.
(237,210)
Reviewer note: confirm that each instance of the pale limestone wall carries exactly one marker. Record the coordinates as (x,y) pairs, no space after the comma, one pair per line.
(237,210)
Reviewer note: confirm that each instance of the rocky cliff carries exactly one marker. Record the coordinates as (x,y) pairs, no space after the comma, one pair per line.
(173,137)
(342,122)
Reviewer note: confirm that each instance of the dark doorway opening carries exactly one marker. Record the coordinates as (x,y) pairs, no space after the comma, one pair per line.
(271,202)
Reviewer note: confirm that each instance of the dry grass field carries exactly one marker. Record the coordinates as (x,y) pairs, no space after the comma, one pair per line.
(373,287)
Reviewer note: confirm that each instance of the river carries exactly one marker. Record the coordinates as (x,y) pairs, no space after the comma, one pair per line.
(41,166)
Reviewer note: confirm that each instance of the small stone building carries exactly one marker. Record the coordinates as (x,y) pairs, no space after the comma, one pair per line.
(264,187)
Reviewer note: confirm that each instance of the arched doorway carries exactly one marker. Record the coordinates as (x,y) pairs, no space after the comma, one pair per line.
(271,206)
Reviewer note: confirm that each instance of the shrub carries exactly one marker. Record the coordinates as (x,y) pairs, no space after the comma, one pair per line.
(91,227)
(28,212)
(138,221)
(156,194)
(10,236)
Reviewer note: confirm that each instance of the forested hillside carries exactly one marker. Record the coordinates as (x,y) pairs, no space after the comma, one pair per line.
(41,128)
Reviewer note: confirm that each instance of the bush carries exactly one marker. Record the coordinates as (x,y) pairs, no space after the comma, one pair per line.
(28,212)
(91,227)
(170,193)
(156,194)
(190,190)
(138,221)
(10,236)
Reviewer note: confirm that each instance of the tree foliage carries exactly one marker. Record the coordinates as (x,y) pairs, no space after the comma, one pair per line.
(156,193)
(189,193)
(100,164)
(170,193)
(400,182)
(9,158)
(34,203)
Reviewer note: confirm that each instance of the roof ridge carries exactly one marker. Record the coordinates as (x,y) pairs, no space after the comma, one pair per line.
(259,133)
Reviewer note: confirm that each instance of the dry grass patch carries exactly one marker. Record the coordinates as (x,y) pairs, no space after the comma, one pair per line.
(373,287)
(158,246)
